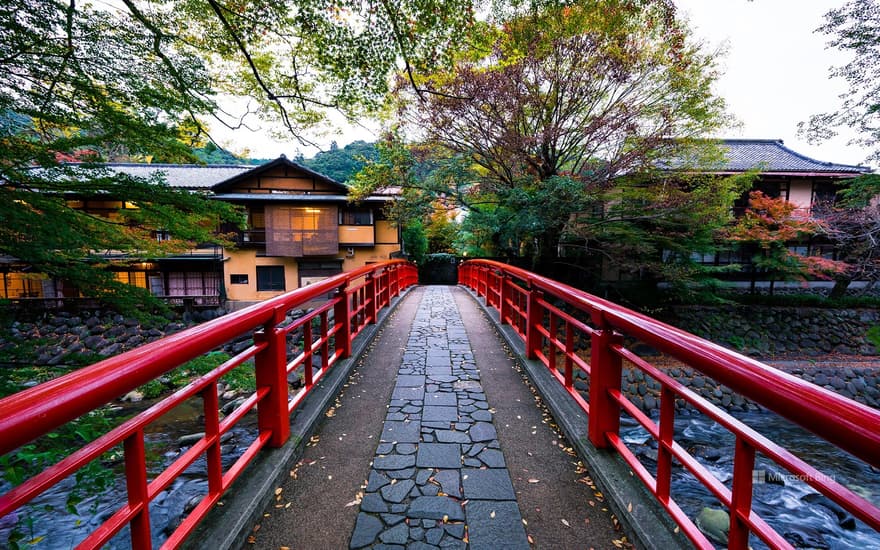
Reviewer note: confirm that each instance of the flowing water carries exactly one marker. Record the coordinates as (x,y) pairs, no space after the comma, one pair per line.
(789,505)
(47,524)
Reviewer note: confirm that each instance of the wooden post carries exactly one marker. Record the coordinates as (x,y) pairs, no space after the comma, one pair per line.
(605,370)
(271,372)
(534,317)
(342,319)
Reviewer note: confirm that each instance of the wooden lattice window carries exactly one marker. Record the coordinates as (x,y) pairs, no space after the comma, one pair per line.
(294,231)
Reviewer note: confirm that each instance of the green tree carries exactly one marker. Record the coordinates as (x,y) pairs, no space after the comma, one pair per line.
(441,231)
(342,164)
(78,85)
(135,81)
(415,244)
(855,29)
(654,224)
(550,107)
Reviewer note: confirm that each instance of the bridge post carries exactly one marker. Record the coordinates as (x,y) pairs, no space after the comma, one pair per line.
(605,371)
(342,319)
(136,485)
(534,317)
(504,308)
(271,372)
(741,494)
(370,298)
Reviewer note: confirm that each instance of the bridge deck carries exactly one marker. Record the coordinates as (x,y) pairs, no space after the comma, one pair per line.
(437,442)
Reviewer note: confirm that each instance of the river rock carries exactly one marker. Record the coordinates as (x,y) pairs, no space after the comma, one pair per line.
(192,503)
(112,349)
(133,396)
(805,537)
(95,342)
(714,523)
(189,439)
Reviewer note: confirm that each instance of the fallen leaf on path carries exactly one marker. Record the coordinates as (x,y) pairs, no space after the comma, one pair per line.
(565,522)
(533,480)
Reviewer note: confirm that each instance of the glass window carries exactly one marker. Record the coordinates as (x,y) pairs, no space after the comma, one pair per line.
(270,277)
(238,278)
(356,216)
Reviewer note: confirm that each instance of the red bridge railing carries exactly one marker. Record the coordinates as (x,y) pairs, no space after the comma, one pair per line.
(27,415)
(523,300)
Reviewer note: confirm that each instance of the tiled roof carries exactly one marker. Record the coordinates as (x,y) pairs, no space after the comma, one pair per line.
(189,176)
(771,155)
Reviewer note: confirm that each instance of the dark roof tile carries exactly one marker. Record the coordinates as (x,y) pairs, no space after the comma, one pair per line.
(771,155)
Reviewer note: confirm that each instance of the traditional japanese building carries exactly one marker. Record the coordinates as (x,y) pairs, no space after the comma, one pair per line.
(807,183)
(301,228)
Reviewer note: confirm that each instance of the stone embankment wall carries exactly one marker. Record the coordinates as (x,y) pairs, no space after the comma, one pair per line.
(766,331)
(774,336)
(64,338)
(860,383)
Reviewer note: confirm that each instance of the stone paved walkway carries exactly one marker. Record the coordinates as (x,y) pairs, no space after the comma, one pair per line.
(439,478)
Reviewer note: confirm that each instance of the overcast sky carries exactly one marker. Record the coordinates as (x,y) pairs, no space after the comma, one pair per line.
(775,75)
(776,68)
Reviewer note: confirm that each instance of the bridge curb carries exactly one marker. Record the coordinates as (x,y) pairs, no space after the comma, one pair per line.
(229,525)
(643,519)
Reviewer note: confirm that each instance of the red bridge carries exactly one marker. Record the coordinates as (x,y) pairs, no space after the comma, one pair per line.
(441,474)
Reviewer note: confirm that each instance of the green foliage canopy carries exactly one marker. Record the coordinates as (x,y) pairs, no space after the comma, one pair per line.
(136,79)
(342,164)
(550,113)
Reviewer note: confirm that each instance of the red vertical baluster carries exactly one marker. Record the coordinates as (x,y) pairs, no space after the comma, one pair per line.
(504,311)
(569,353)
(741,494)
(342,319)
(664,449)
(325,342)
(534,317)
(212,430)
(136,484)
(371,298)
(551,352)
(307,360)
(271,373)
(605,367)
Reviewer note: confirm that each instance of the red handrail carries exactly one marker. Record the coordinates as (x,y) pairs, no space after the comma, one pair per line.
(34,412)
(521,299)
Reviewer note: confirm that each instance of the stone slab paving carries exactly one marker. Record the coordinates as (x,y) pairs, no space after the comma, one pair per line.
(439,478)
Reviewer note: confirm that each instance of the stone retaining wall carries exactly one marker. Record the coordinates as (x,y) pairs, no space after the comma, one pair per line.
(765,331)
(860,383)
(82,338)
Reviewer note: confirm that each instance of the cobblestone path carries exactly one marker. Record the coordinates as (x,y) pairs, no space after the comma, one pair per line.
(439,478)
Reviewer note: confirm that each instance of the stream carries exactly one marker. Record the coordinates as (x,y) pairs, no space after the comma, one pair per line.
(805,518)
(47,524)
